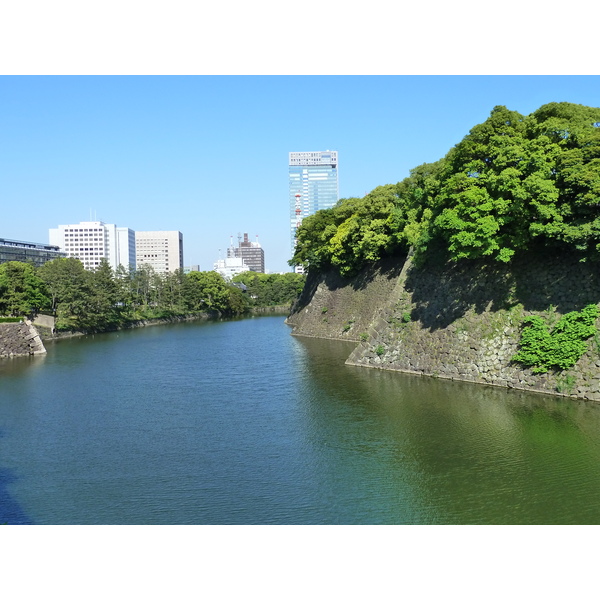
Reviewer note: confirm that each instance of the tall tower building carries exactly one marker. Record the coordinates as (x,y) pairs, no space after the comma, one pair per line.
(161,249)
(313,185)
(91,241)
(250,252)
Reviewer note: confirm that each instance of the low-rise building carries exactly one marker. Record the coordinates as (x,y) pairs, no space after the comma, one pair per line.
(230,267)
(31,252)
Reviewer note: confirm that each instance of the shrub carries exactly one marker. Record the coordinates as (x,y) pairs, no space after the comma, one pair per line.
(560,348)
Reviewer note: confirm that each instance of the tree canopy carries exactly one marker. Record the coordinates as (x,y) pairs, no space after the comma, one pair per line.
(103,299)
(270,289)
(512,183)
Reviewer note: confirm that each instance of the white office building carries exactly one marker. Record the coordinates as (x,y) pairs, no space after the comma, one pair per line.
(91,241)
(163,250)
(230,267)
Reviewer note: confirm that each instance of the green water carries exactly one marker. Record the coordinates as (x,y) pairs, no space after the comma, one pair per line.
(241,423)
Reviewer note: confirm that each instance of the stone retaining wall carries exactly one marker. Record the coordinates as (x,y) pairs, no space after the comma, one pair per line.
(19,339)
(463,321)
(334,307)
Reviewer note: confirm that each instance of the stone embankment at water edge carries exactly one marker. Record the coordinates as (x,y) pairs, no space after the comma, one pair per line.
(455,320)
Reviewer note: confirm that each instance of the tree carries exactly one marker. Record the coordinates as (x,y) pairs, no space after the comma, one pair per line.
(205,290)
(68,286)
(483,196)
(237,303)
(571,213)
(103,299)
(516,181)
(173,290)
(22,292)
(311,240)
(271,289)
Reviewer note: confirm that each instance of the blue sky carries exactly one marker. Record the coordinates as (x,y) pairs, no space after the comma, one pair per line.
(207,155)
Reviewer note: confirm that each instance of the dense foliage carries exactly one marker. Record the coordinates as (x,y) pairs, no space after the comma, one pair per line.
(562,346)
(265,289)
(103,299)
(21,289)
(514,182)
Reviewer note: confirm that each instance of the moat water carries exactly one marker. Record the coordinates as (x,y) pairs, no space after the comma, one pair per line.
(239,422)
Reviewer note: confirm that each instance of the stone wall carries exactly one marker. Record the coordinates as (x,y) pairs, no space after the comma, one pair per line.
(45,321)
(279,309)
(19,339)
(334,307)
(463,321)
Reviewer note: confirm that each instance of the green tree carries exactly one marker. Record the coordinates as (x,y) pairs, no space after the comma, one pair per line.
(68,287)
(312,237)
(271,289)
(569,215)
(173,291)
(22,292)
(482,194)
(205,290)
(103,300)
(515,181)
(354,231)
(237,303)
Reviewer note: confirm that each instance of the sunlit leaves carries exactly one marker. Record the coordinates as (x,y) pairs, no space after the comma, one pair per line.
(542,348)
(512,182)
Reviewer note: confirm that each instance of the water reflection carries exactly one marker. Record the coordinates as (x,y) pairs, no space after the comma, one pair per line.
(462,453)
(240,422)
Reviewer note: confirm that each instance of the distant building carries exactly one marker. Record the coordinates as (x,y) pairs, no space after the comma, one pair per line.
(313,186)
(250,252)
(191,268)
(230,267)
(92,241)
(31,252)
(163,250)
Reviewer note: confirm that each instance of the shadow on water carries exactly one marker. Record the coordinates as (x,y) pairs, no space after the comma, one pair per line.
(10,511)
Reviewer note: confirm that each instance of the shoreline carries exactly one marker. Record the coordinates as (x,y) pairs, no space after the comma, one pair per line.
(46,334)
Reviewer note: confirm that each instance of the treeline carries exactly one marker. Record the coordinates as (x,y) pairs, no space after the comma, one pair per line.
(104,299)
(265,289)
(514,183)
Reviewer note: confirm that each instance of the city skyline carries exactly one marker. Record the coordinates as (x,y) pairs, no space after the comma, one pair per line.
(204,154)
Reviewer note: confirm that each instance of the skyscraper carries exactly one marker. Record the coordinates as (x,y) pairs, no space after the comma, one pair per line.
(313,182)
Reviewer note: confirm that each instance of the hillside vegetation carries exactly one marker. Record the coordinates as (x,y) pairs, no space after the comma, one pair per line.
(514,183)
